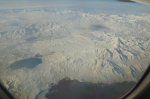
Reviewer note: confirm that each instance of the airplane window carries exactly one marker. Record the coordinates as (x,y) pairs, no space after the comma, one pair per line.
(73,49)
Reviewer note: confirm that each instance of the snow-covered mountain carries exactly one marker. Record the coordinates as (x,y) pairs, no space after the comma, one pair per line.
(98,48)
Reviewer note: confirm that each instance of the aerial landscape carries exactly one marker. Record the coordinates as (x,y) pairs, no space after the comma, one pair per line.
(100,42)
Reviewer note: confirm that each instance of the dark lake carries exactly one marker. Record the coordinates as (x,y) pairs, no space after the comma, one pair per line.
(26,63)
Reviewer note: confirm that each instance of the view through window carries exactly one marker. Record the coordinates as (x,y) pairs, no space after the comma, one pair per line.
(73,49)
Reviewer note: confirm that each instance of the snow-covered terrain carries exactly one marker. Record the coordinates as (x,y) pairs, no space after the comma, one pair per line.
(98,48)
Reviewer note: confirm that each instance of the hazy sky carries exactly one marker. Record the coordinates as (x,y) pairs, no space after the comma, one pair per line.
(9,3)
(103,5)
